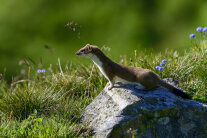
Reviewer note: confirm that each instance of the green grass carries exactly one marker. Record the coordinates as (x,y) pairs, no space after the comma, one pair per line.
(50,104)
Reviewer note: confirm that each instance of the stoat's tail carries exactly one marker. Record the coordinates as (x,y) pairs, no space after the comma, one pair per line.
(174,90)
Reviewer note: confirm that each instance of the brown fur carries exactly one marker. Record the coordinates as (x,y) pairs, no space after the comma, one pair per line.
(145,77)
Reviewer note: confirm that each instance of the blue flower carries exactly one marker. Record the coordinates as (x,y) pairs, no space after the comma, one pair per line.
(162,64)
(161,68)
(164,61)
(40,71)
(199,29)
(43,70)
(205,29)
(192,35)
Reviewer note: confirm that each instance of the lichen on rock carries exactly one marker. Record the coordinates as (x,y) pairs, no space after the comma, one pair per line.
(156,113)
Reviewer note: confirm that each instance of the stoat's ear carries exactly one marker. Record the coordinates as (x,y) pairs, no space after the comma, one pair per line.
(89,48)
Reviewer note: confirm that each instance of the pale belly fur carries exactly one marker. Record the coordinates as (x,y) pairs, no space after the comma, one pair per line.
(98,63)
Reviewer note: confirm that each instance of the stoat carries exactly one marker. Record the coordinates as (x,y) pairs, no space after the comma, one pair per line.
(114,72)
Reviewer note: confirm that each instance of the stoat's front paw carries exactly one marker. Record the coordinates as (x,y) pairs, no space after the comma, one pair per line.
(110,87)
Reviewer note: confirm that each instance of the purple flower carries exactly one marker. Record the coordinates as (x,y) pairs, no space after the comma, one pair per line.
(205,29)
(162,64)
(199,29)
(159,68)
(40,71)
(164,61)
(192,35)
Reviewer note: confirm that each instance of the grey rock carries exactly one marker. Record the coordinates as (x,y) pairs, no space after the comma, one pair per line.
(126,111)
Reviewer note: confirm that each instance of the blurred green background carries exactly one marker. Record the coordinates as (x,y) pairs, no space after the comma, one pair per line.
(26,26)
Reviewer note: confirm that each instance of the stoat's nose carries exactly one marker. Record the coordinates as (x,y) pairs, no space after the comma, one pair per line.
(78,53)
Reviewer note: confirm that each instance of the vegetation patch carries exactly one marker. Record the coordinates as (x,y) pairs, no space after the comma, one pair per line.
(49,102)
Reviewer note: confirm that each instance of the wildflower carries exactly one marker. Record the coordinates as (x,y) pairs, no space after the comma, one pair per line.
(159,68)
(41,71)
(164,61)
(162,64)
(205,29)
(192,35)
(74,27)
(199,29)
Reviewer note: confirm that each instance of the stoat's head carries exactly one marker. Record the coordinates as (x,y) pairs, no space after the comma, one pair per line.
(87,51)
